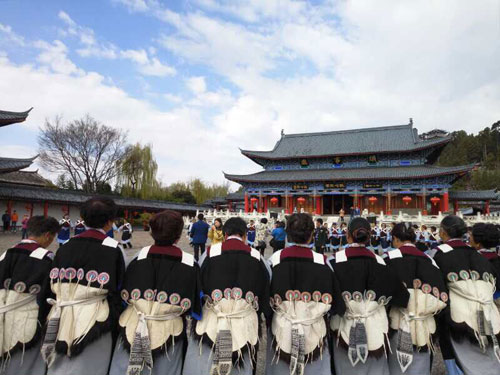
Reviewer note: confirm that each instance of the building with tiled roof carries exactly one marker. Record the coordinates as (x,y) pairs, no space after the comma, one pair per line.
(387,169)
(8,118)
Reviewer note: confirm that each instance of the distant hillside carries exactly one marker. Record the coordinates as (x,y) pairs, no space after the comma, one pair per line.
(482,148)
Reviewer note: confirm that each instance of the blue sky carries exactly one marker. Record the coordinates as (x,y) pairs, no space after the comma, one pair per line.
(197,79)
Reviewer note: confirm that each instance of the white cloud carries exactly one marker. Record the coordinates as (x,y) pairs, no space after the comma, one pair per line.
(55,56)
(196,84)
(149,66)
(7,34)
(337,65)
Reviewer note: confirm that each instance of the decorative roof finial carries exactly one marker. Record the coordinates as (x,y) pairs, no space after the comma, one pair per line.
(282,132)
(411,121)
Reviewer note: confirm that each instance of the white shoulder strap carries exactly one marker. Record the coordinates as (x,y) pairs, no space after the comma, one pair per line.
(110,242)
(445,248)
(396,253)
(341,256)
(215,250)
(39,253)
(255,253)
(187,259)
(2,257)
(318,258)
(432,260)
(143,254)
(379,260)
(275,258)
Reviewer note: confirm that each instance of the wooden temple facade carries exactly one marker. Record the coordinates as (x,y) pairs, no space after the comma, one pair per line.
(384,169)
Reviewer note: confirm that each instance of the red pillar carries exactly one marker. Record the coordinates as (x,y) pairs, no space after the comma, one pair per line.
(455,206)
(290,204)
(246,203)
(9,207)
(487,208)
(266,199)
(46,209)
(445,202)
(125,213)
(318,205)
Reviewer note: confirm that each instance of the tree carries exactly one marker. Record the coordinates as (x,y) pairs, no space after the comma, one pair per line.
(86,151)
(137,172)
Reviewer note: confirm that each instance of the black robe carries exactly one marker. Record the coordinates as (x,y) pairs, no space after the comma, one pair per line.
(164,275)
(87,252)
(362,274)
(236,268)
(296,276)
(454,265)
(26,274)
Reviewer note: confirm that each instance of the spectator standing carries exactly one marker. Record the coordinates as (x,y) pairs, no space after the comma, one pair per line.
(24,227)
(6,221)
(341,214)
(14,219)
(320,236)
(279,236)
(199,234)
(261,234)
(215,233)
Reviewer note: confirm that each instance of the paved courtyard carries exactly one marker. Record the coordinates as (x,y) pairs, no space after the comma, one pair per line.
(141,239)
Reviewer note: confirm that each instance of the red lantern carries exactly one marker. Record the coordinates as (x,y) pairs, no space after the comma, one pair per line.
(435,200)
(254,200)
(407,200)
(301,200)
(372,200)
(274,200)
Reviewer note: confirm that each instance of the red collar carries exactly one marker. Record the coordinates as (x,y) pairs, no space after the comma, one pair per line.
(359,251)
(92,233)
(456,243)
(411,250)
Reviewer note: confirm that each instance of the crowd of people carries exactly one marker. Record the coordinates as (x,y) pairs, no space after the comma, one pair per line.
(379,304)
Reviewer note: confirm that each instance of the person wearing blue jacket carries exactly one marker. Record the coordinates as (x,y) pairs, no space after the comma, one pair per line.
(279,236)
(199,234)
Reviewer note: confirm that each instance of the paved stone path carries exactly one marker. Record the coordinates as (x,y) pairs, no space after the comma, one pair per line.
(141,239)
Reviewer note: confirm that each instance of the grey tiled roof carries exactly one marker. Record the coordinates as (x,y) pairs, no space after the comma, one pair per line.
(24,178)
(398,138)
(474,194)
(382,173)
(11,164)
(236,196)
(7,118)
(55,195)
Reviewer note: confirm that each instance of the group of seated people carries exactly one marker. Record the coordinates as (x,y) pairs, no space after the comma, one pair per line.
(82,311)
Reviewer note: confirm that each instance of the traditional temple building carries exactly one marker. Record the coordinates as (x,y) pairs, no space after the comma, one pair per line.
(386,169)
(8,118)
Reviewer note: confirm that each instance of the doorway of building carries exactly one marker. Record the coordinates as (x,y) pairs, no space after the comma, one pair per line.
(333,203)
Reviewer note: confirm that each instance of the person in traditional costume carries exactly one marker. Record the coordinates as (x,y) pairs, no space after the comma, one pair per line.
(485,238)
(126,230)
(161,289)
(303,294)
(367,285)
(251,234)
(384,234)
(24,281)
(473,319)
(65,232)
(230,337)
(86,277)
(262,232)
(79,226)
(343,235)
(335,238)
(413,328)
(215,234)
(375,238)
